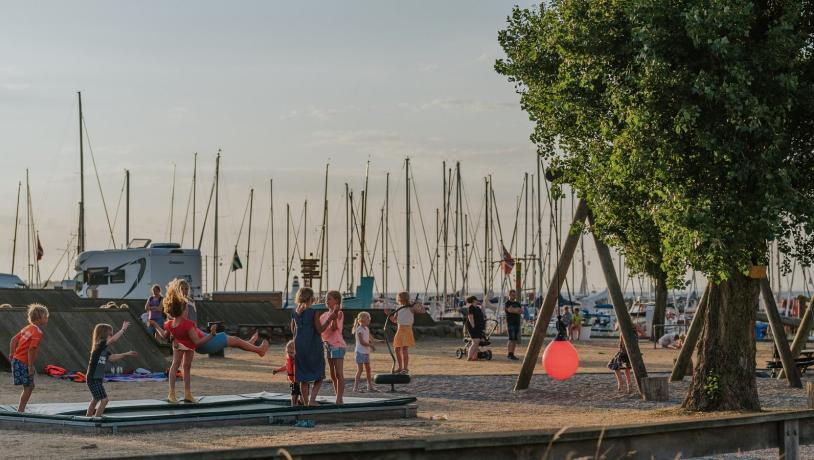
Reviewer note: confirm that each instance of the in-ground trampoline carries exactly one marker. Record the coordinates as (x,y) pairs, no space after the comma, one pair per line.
(247,409)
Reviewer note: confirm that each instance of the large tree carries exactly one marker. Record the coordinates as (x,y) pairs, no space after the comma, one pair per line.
(687,127)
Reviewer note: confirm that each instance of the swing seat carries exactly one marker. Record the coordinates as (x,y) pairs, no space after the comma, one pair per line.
(391,379)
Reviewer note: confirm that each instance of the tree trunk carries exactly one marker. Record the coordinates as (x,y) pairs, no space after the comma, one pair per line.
(660,311)
(724,377)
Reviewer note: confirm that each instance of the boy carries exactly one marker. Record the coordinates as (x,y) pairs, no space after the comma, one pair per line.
(24,347)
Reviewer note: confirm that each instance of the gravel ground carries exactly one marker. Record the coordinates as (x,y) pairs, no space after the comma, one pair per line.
(472,397)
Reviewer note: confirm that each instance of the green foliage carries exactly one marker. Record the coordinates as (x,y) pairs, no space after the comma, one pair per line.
(712,386)
(686,125)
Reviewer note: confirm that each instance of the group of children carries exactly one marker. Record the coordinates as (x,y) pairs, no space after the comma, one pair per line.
(316,337)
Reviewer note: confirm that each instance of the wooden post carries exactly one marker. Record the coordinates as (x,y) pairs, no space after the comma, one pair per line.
(655,389)
(801,337)
(685,355)
(779,335)
(790,437)
(810,394)
(620,308)
(551,298)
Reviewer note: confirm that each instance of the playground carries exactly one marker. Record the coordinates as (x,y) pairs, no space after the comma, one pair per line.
(454,397)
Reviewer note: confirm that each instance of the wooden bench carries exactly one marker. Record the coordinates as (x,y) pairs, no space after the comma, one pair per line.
(802,362)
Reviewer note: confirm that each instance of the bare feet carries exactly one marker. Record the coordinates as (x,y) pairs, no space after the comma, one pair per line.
(264,347)
(254,338)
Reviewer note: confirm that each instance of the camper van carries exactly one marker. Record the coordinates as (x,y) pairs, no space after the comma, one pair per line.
(130,273)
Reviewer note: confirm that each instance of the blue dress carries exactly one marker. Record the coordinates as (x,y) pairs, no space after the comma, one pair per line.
(309,362)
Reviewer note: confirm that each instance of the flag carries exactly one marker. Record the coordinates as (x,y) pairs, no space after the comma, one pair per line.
(40,251)
(507,262)
(236,264)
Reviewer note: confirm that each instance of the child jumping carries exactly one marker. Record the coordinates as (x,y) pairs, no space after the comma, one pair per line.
(333,322)
(187,338)
(100,355)
(364,345)
(23,351)
(291,353)
(404,338)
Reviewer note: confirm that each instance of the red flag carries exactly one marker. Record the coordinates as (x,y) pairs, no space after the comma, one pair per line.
(507,263)
(40,251)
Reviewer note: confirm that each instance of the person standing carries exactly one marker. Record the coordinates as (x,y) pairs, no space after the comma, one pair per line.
(309,362)
(514,321)
(576,324)
(475,325)
(566,320)
(333,322)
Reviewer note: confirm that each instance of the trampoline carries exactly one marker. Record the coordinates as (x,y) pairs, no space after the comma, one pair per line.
(246,409)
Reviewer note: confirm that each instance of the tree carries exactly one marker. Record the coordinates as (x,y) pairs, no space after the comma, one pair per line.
(687,127)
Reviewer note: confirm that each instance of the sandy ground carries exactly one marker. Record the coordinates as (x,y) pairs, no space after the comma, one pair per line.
(473,397)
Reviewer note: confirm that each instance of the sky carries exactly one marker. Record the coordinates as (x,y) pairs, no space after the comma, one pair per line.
(282,89)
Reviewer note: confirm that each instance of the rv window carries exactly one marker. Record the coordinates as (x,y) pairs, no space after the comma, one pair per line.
(96,276)
(117,277)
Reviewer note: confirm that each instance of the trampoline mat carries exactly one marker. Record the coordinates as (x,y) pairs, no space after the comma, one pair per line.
(271,407)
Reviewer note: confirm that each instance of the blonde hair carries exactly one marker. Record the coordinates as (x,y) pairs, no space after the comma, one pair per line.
(100,332)
(358,320)
(175,302)
(403,298)
(37,312)
(305,296)
(290,344)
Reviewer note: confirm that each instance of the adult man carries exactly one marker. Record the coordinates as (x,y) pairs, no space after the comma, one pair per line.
(671,340)
(566,321)
(514,319)
(476,326)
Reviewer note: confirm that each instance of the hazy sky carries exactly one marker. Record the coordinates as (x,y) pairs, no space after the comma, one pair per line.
(281,87)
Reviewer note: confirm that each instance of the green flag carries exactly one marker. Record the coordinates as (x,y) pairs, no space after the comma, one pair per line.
(236,264)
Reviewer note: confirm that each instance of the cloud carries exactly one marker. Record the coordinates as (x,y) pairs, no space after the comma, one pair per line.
(466,105)
(356,138)
(318,113)
(428,68)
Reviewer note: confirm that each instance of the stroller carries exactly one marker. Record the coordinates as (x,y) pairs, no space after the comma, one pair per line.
(462,351)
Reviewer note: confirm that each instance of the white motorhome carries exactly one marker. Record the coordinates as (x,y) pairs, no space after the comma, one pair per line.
(130,273)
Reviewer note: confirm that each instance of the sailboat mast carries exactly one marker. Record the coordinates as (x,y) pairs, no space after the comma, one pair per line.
(348,252)
(364,223)
(323,244)
(541,274)
(28,226)
(172,200)
(80,248)
(215,230)
(194,192)
(445,237)
(407,217)
(485,238)
(271,217)
(16,223)
(127,208)
(386,239)
(249,238)
(287,248)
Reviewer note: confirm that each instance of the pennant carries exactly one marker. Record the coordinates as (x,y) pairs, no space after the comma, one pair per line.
(507,262)
(40,251)
(236,264)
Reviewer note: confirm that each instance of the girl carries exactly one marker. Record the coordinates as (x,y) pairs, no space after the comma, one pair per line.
(364,345)
(309,362)
(100,355)
(154,309)
(291,352)
(404,337)
(334,342)
(187,337)
(620,361)
(221,339)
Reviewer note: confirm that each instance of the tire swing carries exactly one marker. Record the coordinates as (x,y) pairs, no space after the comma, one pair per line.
(392,378)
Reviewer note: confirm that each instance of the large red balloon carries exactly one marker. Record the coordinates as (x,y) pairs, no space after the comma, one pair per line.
(560,360)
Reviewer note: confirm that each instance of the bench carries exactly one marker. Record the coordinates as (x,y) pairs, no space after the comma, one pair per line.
(803,363)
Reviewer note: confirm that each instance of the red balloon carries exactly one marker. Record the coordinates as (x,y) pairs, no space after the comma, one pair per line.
(560,360)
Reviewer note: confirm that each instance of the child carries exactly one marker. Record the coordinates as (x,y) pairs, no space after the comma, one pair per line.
(103,337)
(404,339)
(333,322)
(364,345)
(309,362)
(291,352)
(187,337)
(620,361)
(23,351)
(154,310)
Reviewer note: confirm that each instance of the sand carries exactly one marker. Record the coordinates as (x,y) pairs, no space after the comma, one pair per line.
(473,396)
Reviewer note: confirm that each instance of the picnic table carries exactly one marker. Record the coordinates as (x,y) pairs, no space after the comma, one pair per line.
(803,362)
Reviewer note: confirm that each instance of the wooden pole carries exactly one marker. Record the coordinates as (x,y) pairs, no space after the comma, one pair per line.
(779,335)
(620,308)
(802,332)
(550,301)
(697,324)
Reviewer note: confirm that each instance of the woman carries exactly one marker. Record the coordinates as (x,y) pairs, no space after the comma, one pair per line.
(309,361)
